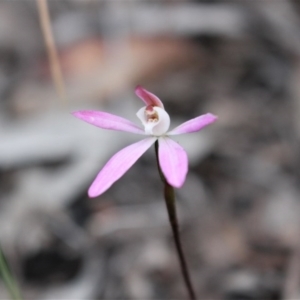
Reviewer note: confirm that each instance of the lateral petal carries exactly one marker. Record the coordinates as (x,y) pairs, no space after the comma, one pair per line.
(173,161)
(147,97)
(107,121)
(194,125)
(118,165)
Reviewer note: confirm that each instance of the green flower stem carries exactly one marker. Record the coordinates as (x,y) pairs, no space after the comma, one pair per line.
(171,208)
(8,278)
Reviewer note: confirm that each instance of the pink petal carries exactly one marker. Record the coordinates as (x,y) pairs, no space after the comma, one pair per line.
(147,97)
(194,125)
(173,161)
(118,165)
(107,121)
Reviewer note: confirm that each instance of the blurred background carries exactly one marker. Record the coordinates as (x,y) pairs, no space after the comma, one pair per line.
(239,209)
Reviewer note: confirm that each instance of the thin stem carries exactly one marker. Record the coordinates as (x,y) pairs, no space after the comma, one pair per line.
(169,195)
(8,278)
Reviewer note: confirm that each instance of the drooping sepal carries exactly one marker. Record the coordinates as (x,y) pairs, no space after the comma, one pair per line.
(173,161)
(118,165)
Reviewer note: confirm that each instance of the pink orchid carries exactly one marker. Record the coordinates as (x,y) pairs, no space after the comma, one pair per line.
(173,159)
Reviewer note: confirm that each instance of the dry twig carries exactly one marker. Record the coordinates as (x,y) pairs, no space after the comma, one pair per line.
(51,49)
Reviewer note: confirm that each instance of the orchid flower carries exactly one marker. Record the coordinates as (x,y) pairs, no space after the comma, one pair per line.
(173,159)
